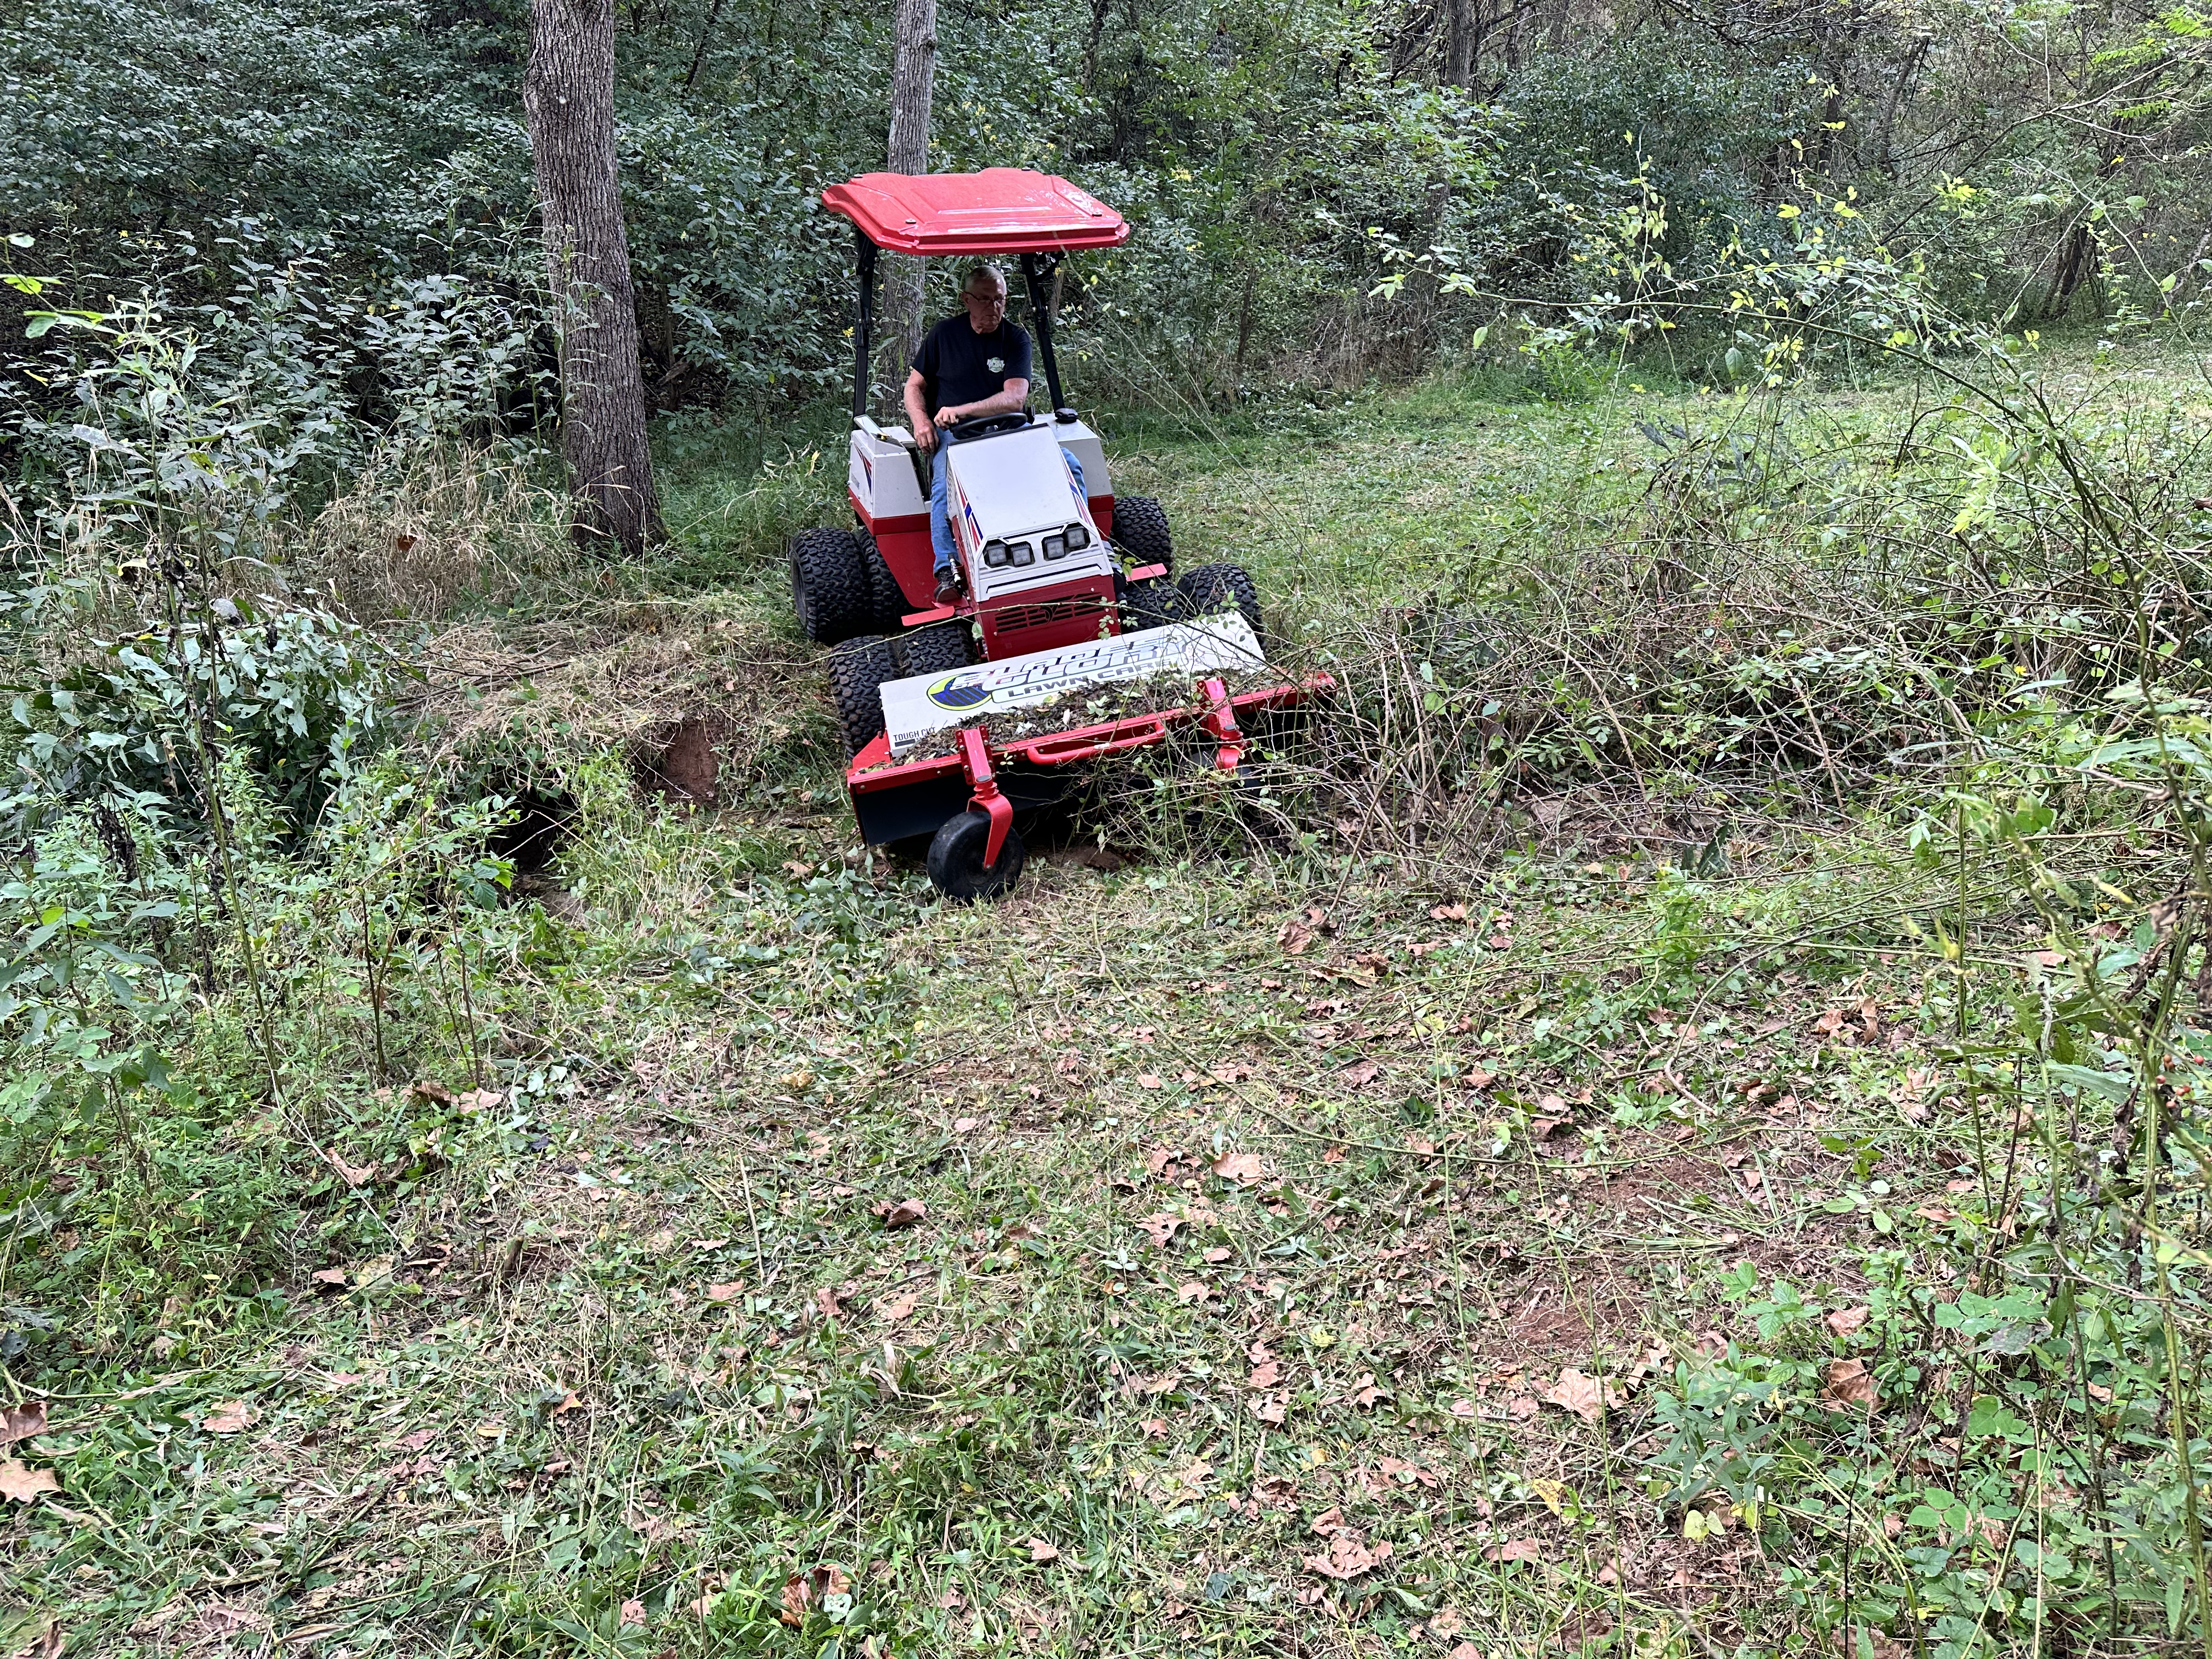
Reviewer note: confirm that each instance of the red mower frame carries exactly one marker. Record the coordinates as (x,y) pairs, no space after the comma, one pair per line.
(967,799)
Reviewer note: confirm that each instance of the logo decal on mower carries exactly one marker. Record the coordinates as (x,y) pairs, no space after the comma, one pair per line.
(1023,680)
(931,702)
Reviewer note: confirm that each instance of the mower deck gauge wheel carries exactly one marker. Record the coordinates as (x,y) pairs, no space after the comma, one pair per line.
(955,860)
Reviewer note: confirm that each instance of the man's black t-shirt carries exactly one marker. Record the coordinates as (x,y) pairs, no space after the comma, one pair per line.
(959,366)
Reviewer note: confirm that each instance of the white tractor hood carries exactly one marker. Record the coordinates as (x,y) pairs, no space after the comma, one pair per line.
(1017,487)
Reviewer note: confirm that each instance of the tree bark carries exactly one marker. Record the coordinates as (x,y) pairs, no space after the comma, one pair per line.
(569,103)
(914,75)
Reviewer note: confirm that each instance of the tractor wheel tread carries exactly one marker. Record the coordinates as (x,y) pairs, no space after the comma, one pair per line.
(1154,603)
(1140,531)
(1215,587)
(885,601)
(829,587)
(858,669)
(940,648)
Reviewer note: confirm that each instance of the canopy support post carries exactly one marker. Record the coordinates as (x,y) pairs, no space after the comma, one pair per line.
(1036,269)
(863,319)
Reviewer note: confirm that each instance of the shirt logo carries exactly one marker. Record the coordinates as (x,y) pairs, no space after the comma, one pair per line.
(996,365)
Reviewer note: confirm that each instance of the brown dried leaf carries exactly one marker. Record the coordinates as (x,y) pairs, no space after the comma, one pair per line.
(1847,1382)
(21,1484)
(230,1417)
(1195,1289)
(1845,1321)
(1347,1557)
(727,1293)
(1266,1375)
(1581,1394)
(633,1612)
(1245,1169)
(904,1213)
(796,1596)
(22,1422)
(1514,1549)
(1041,1551)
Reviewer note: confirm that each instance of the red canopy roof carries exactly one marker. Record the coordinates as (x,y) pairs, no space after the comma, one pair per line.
(998,211)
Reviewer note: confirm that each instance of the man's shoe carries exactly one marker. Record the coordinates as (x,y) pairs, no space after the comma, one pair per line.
(948,589)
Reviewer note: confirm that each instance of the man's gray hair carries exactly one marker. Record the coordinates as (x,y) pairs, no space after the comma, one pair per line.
(982,269)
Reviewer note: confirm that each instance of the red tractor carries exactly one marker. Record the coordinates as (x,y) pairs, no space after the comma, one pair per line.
(1066,589)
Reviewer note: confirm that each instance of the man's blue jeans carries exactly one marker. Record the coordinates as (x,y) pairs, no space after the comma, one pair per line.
(940,523)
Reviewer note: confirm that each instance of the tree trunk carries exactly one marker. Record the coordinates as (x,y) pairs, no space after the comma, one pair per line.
(568,102)
(913,73)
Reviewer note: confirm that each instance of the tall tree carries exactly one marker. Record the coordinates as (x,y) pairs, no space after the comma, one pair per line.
(913,71)
(568,101)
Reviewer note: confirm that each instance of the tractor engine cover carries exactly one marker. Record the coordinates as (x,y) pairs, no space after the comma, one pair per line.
(1014,506)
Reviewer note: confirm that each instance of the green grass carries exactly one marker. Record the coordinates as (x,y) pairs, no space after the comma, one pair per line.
(1118,1270)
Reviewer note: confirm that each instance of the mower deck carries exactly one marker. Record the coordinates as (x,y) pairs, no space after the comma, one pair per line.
(895,799)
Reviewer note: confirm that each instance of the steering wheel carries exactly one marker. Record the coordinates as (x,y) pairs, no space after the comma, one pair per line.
(981,426)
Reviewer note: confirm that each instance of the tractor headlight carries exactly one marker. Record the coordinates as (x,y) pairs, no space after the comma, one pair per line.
(1056,547)
(996,556)
(1023,554)
(1078,538)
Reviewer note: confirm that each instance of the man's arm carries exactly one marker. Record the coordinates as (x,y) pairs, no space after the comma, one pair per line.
(1006,401)
(917,410)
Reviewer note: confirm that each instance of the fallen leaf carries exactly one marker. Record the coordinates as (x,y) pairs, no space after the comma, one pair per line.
(903,1307)
(571,1404)
(1446,913)
(951,1601)
(1543,1128)
(1516,1549)
(1334,1154)
(1160,1227)
(1847,1383)
(1347,1557)
(1245,1169)
(633,1612)
(826,1303)
(1446,1622)
(354,1174)
(1844,1320)
(1219,1254)
(1042,1551)
(795,1598)
(1270,1412)
(1195,1289)
(1581,1394)
(1329,1522)
(1464,1410)
(21,1483)
(1294,937)
(333,1277)
(904,1213)
(1155,1428)
(725,1293)
(22,1422)
(1465,1650)
(1264,1376)
(230,1417)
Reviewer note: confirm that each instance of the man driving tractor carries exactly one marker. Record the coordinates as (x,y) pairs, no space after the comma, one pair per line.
(969,367)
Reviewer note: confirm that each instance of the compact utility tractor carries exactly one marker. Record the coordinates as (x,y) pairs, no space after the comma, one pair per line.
(1067,590)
